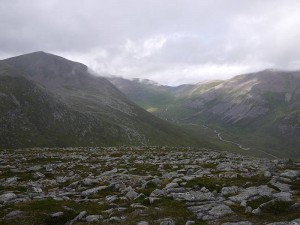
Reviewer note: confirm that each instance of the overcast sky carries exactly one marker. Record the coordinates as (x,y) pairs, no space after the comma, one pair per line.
(169,41)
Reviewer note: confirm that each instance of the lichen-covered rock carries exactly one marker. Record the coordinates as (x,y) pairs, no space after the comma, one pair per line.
(238,223)
(93,191)
(131,194)
(167,221)
(194,196)
(292,174)
(230,190)
(4,198)
(93,218)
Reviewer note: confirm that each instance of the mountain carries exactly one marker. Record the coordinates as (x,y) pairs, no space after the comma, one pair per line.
(47,100)
(164,101)
(261,110)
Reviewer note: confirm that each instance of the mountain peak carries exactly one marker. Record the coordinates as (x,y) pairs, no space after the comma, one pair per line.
(45,64)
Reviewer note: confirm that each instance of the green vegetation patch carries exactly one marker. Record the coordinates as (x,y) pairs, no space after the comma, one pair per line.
(257,202)
(213,183)
(38,212)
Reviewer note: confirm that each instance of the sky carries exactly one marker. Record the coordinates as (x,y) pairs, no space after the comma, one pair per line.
(168,41)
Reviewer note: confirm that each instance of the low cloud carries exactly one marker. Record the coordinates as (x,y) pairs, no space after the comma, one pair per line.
(171,42)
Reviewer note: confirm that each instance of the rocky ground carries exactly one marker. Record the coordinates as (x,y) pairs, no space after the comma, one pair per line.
(146,185)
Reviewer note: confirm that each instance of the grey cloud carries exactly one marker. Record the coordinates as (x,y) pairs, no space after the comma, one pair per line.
(170,41)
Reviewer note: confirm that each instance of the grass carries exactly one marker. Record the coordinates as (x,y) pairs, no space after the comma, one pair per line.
(213,183)
(210,165)
(274,212)
(163,208)
(257,202)
(149,189)
(144,169)
(103,193)
(38,212)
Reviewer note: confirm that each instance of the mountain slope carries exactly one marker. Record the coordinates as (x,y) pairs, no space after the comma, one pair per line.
(145,93)
(260,110)
(61,100)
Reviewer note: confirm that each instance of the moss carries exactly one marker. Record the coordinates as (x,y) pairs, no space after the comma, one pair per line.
(257,202)
(278,208)
(149,189)
(163,208)
(213,183)
(116,154)
(143,169)
(210,183)
(15,189)
(209,165)
(37,212)
(103,193)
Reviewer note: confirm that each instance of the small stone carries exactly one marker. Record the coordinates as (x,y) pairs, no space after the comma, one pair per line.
(7,197)
(238,223)
(189,172)
(267,174)
(292,174)
(295,222)
(220,211)
(36,189)
(154,182)
(248,209)
(138,206)
(256,211)
(38,175)
(153,199)
(194,196)
(14,214)
(111,198)
(93,191)
(285,179)
(34,168)
(244,203)
(93,218)
(283,196)
(190,222)
(11,180)
(229,190)
(171,185)
(57,214)
(142,223)
(89,181)
(296,206)
(131,194)
(204,189)
(106,173)
(115,219)
(78,217)
(61,180)
(117,185)
(281,223)
(167,221)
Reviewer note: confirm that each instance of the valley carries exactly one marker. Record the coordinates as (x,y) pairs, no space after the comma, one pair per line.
(149,112)
(257,110)
(75,149)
